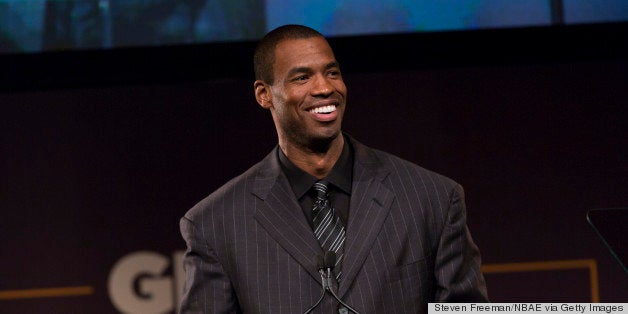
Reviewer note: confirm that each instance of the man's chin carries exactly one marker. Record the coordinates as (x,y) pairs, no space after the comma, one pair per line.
(322,142)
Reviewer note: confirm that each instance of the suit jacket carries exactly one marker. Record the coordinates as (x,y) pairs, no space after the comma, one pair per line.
(251,250)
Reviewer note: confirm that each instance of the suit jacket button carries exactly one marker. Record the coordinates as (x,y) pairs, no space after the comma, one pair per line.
(343,310)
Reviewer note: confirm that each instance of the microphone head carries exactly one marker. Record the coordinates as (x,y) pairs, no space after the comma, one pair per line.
(330,259)
(320,262)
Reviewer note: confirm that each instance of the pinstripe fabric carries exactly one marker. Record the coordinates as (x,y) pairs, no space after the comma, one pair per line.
(251,250)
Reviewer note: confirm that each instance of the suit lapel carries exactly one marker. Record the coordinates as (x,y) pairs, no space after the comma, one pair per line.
(280,215)
(369,206)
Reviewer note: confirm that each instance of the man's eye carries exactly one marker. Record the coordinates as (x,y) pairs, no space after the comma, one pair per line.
(301,78)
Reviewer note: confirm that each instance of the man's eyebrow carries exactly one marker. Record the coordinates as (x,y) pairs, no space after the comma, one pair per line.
(333,64)
(330,65)
(296,70)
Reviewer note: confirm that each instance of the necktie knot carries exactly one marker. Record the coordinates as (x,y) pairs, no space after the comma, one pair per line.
(322,189)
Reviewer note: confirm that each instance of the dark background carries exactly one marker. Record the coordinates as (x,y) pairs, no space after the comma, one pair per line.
(103,151)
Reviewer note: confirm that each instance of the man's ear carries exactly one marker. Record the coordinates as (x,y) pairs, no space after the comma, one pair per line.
(263,94)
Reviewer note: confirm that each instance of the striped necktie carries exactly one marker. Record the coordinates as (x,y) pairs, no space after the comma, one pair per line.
(328,227)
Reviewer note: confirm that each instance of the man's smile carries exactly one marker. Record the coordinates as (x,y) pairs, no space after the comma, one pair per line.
(324,112)
(323,109)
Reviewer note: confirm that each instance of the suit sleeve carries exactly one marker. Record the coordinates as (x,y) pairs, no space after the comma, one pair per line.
(207,287)
(457,265)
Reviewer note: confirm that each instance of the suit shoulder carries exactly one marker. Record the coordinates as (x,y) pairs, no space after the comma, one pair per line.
(407,170)
(231,192)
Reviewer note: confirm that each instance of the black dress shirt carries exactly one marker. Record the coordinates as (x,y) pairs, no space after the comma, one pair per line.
(340,179)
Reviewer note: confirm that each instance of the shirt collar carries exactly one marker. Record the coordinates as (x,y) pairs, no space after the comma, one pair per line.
(340,176)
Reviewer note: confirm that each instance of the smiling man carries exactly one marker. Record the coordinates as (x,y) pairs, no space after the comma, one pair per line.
(397,231)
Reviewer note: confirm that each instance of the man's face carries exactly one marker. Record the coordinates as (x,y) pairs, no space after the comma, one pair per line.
(308,96)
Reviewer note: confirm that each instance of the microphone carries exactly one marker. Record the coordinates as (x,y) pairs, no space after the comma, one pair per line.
(329,262)
(325,267)
(320,265)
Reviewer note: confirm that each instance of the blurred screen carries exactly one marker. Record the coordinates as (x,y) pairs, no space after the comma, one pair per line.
(52,25)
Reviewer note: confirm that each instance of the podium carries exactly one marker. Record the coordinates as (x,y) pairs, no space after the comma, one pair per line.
(611,225)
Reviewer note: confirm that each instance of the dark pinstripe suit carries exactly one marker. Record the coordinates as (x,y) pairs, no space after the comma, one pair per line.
(251,250)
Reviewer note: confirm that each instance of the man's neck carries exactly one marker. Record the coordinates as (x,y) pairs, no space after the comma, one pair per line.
(314,162)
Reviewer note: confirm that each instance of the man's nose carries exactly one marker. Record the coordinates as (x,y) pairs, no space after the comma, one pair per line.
(322,86)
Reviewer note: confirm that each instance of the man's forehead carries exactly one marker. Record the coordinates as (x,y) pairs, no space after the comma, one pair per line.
(303,51)
(289,46)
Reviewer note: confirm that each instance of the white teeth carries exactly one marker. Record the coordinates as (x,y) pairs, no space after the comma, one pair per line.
(324,109)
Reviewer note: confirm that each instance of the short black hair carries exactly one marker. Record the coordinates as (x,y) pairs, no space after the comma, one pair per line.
(264,56)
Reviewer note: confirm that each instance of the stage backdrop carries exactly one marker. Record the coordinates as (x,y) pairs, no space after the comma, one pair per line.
(93,181)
